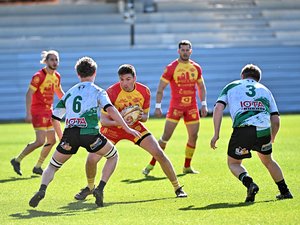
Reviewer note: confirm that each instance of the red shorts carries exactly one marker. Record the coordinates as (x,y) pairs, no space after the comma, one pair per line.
(189,114)
(42,121)
(115,134)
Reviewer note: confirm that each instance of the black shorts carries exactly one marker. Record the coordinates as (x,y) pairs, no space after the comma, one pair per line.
(244,139)
(72,140)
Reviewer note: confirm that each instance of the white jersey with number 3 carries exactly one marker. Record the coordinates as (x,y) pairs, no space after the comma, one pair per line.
(249,102)
(81,104)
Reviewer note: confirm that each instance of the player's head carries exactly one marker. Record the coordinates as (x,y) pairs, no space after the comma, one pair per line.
(251,71)
(86,67)
(184,50)
(50,58)
(127,77)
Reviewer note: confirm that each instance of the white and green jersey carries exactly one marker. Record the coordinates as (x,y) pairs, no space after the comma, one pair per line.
(81,106)
(250,103)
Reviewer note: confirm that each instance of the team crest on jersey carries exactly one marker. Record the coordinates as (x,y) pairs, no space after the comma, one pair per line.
(241,151)
(36,80)
(76,122)
(192,69)
(138,128)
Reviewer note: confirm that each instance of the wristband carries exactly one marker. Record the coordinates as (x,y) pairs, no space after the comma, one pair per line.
(203,103)
(158,105)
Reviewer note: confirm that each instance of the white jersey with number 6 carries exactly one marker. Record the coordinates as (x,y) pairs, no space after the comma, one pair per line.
(81,104)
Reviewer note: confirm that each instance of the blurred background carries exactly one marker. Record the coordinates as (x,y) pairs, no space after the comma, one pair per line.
(226,35)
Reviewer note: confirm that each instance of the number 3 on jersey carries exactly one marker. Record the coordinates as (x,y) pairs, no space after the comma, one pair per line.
(251,91)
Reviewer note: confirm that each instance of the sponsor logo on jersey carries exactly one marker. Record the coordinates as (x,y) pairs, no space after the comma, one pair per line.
(76,122)
(66,146)
(241,151)
(266,147)
(96,144)
(252,105)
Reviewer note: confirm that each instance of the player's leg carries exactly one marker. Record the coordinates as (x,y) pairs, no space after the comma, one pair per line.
(39,141)
(239,171)
(98,146)
(241,142)
(167,134)
(90,171)
(92,160)
(110,152)
(277,175)
(50,137)
(57,160)
(150,144)
(192,129)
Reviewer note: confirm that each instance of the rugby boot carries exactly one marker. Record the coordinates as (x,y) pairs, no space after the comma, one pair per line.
(251,192)
(191,170)
(84,192)
(284,196)
(37,170)
(16,166)
(34,201)
(99,197)
(147,169)
(180,193)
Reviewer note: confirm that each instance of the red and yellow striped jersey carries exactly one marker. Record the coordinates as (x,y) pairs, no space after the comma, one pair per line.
(44,86)
(121,99)
(183,78)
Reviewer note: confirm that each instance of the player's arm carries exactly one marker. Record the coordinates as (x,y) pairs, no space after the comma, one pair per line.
(106,120)
(28,104)
(159,95)
(217,119)
(144,116)
(59,92)
(116,116)
(202,96)
(275,124)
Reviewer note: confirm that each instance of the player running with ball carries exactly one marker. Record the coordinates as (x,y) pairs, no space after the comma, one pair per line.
(124,94)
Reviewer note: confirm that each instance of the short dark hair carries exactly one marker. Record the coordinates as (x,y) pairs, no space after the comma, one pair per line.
(184,42)
(126,68)
(251,71)
(86,67)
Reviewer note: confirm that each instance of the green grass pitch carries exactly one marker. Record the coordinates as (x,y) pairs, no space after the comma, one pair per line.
(215,196)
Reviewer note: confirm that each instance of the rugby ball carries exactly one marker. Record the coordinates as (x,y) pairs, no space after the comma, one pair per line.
(130,114)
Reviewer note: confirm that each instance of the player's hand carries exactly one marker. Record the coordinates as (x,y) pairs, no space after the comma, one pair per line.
(28,118)
(204,111)
(134,132)
(158,112)
(140,115)
(214,141)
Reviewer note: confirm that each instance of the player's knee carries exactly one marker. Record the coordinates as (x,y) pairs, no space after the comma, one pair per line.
(113,152)
(159,155)
(39,143)
(50,144)
(92,159)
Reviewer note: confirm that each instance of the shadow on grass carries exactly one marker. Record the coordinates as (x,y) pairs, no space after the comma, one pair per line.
(137,201)
(146,178)
(32,213)
(68,210)
(224,205)
(11,179)
(74,207)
